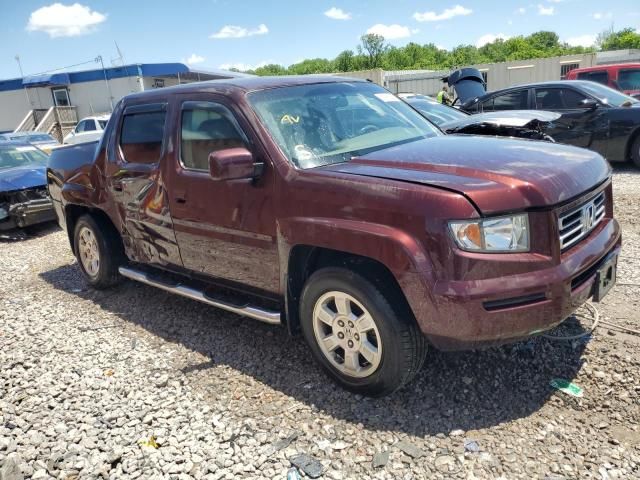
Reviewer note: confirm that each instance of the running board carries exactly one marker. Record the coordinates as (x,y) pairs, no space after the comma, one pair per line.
(266,316)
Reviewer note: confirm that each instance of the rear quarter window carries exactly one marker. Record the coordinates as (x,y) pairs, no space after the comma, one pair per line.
(141,136)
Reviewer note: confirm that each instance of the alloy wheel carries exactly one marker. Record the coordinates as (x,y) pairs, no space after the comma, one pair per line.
(347,334)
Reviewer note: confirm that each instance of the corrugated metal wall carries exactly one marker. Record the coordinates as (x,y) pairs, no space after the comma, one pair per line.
(498,75)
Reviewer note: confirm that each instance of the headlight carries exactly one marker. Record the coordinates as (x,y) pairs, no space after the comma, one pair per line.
(3,213)
(493,235)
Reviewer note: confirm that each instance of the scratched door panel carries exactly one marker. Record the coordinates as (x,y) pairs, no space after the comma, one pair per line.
(224,229)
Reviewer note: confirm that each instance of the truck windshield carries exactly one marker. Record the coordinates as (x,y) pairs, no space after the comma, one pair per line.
(321,124)
(18,156)
(608,95)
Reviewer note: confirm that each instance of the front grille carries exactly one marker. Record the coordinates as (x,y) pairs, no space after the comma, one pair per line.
(577,223)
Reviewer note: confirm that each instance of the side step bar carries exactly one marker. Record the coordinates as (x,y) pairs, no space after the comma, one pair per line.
(266,316)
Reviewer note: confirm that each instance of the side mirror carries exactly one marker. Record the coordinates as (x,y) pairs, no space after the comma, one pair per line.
(232,164)
(590,104)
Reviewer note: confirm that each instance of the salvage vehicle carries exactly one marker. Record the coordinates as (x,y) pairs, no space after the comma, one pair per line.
(331,206)
(43,141)
(594,116)
(517,123)
(87,130)
(624,77)
(24,200)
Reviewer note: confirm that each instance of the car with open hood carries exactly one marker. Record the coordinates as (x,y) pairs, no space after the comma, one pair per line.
(529,124)
(24,200)
(593,116)
(329,206)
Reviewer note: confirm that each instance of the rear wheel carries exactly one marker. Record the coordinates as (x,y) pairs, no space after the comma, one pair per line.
(364,343)
(635,152)
(98,252)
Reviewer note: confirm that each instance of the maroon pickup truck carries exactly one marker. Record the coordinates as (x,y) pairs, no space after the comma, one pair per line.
(332,207)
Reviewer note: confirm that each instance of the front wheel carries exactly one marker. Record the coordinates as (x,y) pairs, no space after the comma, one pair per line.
(98,252)
(635,152)
(365,341)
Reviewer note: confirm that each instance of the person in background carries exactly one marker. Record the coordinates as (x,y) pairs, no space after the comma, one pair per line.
(443,95)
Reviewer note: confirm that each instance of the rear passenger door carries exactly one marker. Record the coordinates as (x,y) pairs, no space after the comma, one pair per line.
(226,229)
(134,181)
(579,125)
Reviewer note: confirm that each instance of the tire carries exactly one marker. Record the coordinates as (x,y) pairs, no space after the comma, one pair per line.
(635,152)
(93,241)
(394,345)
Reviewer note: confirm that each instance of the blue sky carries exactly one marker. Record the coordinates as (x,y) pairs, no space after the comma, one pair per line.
(220,33)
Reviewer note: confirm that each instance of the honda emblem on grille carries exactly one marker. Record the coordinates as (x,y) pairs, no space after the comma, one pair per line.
(588,216)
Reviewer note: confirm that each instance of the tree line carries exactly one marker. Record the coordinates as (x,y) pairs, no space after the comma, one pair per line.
(374,52)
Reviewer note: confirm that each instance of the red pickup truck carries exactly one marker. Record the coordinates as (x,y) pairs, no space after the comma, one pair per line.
(624,77)
(332,207)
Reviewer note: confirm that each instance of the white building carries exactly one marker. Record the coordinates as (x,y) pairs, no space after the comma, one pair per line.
(53,103)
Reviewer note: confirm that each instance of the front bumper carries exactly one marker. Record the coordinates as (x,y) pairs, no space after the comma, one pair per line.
(28,213)
(471,314)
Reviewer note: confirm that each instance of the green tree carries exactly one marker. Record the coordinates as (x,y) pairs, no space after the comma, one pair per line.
(374,52)
(625,38)
(345,61)
(373,46)
(271,69)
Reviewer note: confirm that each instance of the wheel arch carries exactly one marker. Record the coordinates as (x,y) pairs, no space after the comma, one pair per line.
(635,135)
(73,212)
(304,260)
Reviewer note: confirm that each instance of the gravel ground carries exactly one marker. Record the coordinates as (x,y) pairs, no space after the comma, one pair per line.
(137,383)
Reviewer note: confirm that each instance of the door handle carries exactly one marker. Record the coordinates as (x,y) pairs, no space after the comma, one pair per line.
(181,200)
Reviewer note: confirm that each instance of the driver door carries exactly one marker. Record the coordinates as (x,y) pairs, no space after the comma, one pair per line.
(225,229)
(579,126)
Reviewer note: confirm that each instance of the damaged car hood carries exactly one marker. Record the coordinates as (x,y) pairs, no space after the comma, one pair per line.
(511,118)
(19,178)
(496,174)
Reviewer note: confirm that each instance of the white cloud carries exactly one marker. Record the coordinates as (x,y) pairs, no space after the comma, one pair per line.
(582,41)
(542,10)
(194,59)
(390,32)
(234,31)
(337,14)
(602,16)
(446,14)
(243,67)
(522,10)
(60,20)
(490,37)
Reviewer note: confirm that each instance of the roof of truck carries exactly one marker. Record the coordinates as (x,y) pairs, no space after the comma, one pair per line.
(249,84)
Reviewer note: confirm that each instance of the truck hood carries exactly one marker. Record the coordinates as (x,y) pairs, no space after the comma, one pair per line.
(496,174)
(19,178)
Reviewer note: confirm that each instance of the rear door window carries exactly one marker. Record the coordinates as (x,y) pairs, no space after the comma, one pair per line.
(511,101)
(600,77)
(142,133)
(207,127)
